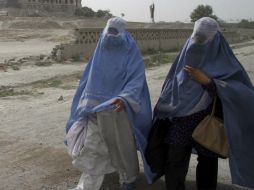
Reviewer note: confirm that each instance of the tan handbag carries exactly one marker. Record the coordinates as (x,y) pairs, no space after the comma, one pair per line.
(210,133)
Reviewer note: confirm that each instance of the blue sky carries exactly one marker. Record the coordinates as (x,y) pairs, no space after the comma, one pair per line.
(174,10)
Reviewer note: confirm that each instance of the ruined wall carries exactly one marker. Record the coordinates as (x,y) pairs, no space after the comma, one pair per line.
(2,4)
(42,7)
(147,40)
(12,3)
(9,3)
(55,7)
(160,39)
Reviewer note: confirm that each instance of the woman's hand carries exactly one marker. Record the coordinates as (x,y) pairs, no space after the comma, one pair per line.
(119,105)
(197,75)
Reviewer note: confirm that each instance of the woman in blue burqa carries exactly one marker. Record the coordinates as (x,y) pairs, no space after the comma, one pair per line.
(206,67)
(111,111)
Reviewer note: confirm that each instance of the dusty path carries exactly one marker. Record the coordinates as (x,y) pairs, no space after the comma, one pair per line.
(30,74)
(19,43)
(22,49)
(33,156)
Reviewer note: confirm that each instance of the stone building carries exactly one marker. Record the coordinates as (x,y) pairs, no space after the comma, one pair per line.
(41,7)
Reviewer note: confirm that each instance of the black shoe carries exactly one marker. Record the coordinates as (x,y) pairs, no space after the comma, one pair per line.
(128,186)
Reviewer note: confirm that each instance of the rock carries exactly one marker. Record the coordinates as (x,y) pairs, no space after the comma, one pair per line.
(42,56)
(60,98)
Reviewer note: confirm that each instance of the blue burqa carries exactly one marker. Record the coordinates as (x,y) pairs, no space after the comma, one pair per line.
(116,73)
(235,90)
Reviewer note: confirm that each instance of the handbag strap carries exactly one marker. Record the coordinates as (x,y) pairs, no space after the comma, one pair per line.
(214,105)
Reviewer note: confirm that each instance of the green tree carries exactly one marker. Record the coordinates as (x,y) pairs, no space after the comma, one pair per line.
(103,13)
(88,12)
(85,12)
(244,23)
(202,11)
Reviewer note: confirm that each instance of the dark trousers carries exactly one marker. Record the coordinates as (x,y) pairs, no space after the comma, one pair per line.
(177,165)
